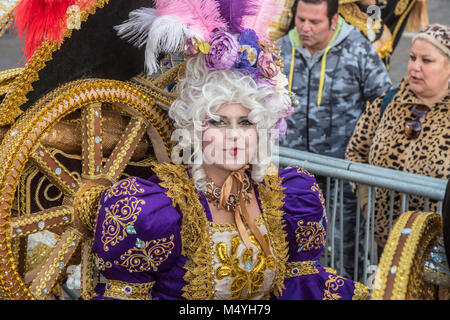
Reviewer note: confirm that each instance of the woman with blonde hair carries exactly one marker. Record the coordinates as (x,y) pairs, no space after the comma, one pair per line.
(227,224)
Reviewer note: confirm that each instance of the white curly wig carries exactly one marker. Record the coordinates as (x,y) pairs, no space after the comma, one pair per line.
(202,92)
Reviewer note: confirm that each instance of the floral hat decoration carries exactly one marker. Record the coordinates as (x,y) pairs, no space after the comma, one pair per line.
(232,34)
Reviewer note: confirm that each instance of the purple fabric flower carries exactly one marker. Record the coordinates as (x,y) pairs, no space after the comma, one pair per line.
(223,51)
(248,53)
(249,37)
(281,127)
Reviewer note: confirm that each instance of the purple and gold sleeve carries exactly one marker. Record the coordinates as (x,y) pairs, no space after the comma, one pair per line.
(306,227)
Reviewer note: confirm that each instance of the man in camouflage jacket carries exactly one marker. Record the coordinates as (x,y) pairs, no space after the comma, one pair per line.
(336,71)
(354,74)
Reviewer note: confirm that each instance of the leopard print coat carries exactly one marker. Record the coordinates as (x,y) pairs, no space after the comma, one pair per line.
(382,142)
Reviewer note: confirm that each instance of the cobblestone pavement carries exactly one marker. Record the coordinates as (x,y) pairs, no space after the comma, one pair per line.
(438,10)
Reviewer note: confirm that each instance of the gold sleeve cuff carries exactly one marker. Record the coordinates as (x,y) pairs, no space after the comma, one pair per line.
(361,292)
(301,268)
(128,291)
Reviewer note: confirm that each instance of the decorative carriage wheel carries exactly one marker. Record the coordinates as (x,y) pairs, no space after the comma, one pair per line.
(400,274)
(26,143)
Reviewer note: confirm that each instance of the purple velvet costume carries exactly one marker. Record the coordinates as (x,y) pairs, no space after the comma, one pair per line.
(138,244)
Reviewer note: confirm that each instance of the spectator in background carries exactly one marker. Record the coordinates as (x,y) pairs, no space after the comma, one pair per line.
(333,71)
(408,129)
(383,25)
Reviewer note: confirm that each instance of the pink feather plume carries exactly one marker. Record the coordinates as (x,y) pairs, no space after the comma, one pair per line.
(203,16)
(264,11)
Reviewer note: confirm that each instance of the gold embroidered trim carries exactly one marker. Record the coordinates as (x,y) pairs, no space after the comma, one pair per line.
(196,241)
(300,268)
(228,227)
(310,236)
(7,14)
(102,265)
(118,224)
(387,257)
(361,292)
(7,78)
(304,171)
(315,187)
(332,285)
(330,270)
(128,291)
(271,197)
(147,255)
(422,225)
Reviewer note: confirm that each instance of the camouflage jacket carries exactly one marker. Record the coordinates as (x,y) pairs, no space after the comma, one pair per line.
(354,74)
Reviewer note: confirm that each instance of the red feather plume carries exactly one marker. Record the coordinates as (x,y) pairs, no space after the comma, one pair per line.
(39,20)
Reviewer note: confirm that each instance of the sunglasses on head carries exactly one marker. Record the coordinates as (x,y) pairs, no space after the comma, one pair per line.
(413,127)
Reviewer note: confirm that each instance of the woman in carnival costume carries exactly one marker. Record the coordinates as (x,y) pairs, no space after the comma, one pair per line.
(223,223)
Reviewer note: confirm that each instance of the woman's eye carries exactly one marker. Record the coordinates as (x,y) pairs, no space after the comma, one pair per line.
(413,58)
(426,60)
(245,123)
(217,123)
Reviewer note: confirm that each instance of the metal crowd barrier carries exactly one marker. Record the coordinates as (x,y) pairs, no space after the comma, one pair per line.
(340,170)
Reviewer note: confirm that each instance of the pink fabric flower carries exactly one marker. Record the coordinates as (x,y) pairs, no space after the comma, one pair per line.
(266,65)
(223,51)
(281,127)
(289,112)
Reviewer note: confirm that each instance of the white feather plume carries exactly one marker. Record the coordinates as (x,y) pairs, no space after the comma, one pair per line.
(159,34)
(137,27)
(166,35)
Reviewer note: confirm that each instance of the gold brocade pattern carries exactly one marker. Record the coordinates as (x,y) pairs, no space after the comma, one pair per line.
(118,223)
(146,255)
(102,265)
(304,171)
(194,231)
(315,187)
(246,282)
(361,292)
(196,240)
(332,285)
(300,268)
(310,236)
(271,197)
(127,186)
(128,291)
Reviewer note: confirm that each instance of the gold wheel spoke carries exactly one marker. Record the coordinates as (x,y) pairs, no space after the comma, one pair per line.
(41,286)
(87,270)
(92,151)
(42,220)
(56,172)
(124,149)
